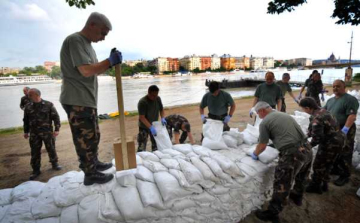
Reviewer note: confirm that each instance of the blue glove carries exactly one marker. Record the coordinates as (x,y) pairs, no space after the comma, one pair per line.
(163,121)
(153,131)
(345,130)
(324,91)
(115,57)
(227,119)
(322,97)
(203,119)
(255,157)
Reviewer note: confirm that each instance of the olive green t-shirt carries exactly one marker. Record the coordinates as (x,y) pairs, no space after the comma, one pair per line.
(217,105)
(150,109)
(269,93)
(285,87)
(282,129)
(342,107)
(77,89)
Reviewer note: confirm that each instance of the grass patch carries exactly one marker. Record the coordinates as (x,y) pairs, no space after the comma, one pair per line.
(13,130)
(247,97)
(132,113)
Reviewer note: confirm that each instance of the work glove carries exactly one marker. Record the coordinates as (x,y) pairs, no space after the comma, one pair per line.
(299,97)
(322,97)
(227,119)
(345,130)
(255,157)
(153,131)
(163,121)
(251,112)
(203,119)
(115,57)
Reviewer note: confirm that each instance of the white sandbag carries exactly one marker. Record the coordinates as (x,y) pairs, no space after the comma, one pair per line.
(252,130)
(144,174)
(248,170)
(99,188)
(5,196)
(154,166)
(202,151)
(183,148)
(149,194)
(162,137)
(183,204)
(169,187)
(228,166)
(128,201)
(139,160)
(204,169)
(172,153)
(20,211)
(230,141)
(219,189)
(184,183)
(192,154)
(88,209)
(192,174)
(267,156)
(257,165)
(108,209)
(148,156)
(214,145)
(204,197)
(27,189)
(213,129)
(234,132)
(248,138)
(49,220)
(258,121)
(44,205)
(69,214)
(170,163)
(3,209)
(68,194)
(162,155)
(72,177)
(216,169)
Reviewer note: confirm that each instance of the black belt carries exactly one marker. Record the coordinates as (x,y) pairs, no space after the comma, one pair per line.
(217,117)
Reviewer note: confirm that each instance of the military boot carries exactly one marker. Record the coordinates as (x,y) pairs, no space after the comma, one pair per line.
(103,166)
(341,181)
(267,216)
(314,188)
(56,166)
(97,177)
(297,199)
(325,186)
(34,174)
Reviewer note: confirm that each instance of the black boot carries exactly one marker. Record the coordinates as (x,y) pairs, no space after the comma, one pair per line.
(97,177)
(341,181)
(103,166)
(297,199)
(267,216)
(34,174)
(56,166)
(325,186)
(313,188)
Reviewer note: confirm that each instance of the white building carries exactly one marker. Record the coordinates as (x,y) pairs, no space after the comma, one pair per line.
(215,62)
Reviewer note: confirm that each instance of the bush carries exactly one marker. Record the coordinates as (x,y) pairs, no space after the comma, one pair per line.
(356,77)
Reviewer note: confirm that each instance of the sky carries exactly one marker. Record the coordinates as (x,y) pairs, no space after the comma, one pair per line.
(32,31)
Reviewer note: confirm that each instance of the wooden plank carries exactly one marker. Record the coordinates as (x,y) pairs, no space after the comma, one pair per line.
(119,157)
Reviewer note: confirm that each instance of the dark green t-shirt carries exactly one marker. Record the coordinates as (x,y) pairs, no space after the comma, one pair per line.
(217,105)
(150,109)
(282,129)
(342,107)
(269,93)
(285,87)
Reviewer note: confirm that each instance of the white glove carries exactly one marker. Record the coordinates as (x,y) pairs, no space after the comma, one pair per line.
(252,111)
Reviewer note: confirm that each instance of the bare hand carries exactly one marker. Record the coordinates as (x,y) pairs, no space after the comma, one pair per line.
(26,135)
(56,133)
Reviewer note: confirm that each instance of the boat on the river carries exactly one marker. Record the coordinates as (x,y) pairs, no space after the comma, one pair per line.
(142,75)
(25,80)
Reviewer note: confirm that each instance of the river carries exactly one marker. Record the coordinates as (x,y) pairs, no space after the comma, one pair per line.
(177,90)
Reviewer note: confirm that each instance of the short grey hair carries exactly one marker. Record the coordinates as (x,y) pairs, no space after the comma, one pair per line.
(99,19)
(261,105)
(37,91)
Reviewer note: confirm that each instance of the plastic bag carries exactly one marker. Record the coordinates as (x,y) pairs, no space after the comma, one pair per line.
(149,194)
(162,138)
(144,174)
(267,156)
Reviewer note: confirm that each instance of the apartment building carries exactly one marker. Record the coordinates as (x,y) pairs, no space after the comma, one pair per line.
(173,64)
(299,62)
(256,63)
(215,62)
(50,64)
(227,62)
(6,70)
(190,62)
(132,63)
(161,64)
(205,63)
(268,62)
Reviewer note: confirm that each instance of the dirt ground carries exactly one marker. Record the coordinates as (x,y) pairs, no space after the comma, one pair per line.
(338,205)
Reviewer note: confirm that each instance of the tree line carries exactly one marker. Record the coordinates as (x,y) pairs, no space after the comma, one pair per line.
(41,70)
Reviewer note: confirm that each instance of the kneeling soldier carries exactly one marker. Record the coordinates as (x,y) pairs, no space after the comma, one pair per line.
(178,122)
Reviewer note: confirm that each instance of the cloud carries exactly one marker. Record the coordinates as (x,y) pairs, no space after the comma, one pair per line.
(28,12)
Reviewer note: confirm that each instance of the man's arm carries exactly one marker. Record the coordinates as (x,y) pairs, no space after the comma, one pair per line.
(191,138)
(256,99)
(232,109)
(144,121)
(201,111)
(22,104)
(90,70)
(259,149)
(292,95)
(56,119)
(350,120)
(279,103)
(26,125)
(162,113)
(177,137)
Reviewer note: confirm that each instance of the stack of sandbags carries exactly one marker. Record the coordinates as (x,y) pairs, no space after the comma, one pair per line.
(213,131)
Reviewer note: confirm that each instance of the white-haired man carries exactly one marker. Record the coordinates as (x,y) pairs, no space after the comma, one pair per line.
(294,159)
(79,93)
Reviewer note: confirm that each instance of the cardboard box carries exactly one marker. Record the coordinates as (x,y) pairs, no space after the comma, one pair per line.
(131,154)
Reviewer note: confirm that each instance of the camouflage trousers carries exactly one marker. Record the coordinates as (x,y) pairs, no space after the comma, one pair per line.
(283,106)
(183,136)
(343,162)
(291,167)
(85,131)
(142,139)
(36,140)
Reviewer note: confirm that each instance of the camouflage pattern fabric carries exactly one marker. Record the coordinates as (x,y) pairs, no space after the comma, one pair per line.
(84,126)
(175,122)
(291,167)
(142,138)
(314,89)
(25,100)
(36,141)
(183,136)
(220,118)
(283,106)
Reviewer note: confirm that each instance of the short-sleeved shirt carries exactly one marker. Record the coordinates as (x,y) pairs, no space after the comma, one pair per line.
(77,89)
(217,105)
(176,121)
(285,87)
(342,107)
(150,109)
(269,93)
(282,129)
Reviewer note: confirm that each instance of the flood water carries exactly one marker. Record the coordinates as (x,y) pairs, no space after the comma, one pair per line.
(177,90)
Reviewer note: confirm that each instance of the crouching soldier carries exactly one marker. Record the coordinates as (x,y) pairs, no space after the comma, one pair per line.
(178,122)
(38,118)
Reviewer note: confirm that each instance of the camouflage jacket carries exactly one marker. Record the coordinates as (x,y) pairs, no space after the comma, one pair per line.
(176,121)
(38,117)
(314,88)
(25,100)
(323,128)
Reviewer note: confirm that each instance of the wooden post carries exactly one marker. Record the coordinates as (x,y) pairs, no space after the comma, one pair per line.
(127,151)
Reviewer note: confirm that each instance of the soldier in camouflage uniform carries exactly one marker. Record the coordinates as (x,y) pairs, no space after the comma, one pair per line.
(314,87)
(294,159)
(178,122)
(38,117)
(325,132)
(285,87)
(25,99)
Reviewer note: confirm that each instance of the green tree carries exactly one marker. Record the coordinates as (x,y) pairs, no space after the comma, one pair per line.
(27,71)
(277,63)
(152,69)
(55,72)
(41,70)
(80,3)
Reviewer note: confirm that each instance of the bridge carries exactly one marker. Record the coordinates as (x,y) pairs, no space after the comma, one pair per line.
(336,65)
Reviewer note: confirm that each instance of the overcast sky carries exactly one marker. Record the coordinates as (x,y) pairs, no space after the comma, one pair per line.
(33,31)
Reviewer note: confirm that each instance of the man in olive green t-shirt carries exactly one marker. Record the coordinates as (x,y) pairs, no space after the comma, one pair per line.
(294,159)
(285,87)
(79,92)
(149,108)
(344,107)
(218,102)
